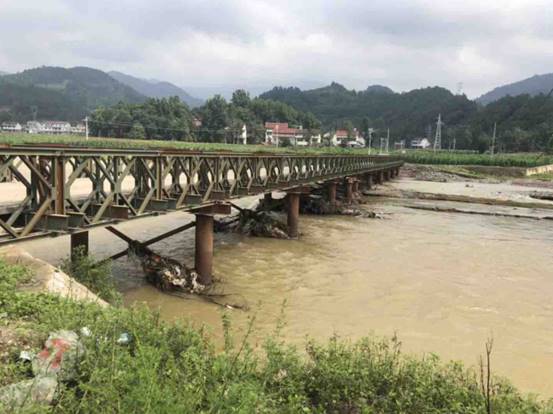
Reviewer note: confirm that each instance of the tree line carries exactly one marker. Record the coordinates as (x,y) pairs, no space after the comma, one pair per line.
(524,123)
(221,121)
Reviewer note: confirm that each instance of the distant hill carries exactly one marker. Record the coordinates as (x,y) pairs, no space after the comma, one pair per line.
(156,89)
(22,102)
(82,88)
(406,114)
(3,73)
(379,89)
(532,86)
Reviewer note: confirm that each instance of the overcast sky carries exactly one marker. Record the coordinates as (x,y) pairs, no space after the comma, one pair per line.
(224,44)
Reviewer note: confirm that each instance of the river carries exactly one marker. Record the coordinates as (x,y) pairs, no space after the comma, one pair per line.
(443,282)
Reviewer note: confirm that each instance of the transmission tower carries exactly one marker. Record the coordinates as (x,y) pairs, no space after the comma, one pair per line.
(438,137)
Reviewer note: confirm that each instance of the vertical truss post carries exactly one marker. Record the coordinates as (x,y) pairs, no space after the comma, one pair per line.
(159,178)
(59,185)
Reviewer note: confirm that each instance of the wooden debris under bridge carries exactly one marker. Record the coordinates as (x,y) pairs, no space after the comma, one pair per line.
(170,275)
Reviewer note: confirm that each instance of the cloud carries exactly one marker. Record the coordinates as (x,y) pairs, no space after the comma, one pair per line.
(404,44)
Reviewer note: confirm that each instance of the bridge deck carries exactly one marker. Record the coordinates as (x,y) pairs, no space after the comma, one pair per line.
(57,189)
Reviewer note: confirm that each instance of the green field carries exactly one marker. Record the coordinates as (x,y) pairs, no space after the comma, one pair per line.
(525,160)
(123,143)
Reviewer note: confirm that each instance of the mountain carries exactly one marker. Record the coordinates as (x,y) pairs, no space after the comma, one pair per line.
(156,89)
(379,89)
(82,88)
(22,102)
(532,86)
(406,114)
(3,73)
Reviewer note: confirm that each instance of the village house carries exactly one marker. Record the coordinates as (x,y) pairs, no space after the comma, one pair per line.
(342,137)
(11,127)
(56,127)
(276,133)
(78,129)
(34,127)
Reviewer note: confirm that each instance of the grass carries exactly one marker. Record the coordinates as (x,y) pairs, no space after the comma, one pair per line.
(124,143)
(525,160)
(170,368)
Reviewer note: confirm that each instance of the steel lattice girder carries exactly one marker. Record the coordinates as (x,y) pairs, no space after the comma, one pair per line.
(122,184)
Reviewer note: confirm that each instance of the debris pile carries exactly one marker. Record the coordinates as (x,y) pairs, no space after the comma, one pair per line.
(257,223)
(56,362)
(168,274)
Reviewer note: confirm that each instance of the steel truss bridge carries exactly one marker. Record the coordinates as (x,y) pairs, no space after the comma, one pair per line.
(51,190)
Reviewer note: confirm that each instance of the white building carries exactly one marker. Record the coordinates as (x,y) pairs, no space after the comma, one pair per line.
(342,137)
(11,127)
(34,127)
(78,129)
(277,132)
(56,127)
(244,135)
(420,143)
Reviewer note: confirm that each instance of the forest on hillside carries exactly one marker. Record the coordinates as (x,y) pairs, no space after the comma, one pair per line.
(524,122)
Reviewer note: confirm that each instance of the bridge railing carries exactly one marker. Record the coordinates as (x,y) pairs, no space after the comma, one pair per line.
(60,189)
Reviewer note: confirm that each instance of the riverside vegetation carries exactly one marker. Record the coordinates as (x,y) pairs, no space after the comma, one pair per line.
(168,368)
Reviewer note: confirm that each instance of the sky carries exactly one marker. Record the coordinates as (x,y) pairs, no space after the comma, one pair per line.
(257,44)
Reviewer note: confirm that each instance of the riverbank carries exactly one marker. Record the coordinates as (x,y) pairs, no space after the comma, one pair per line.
(163,367)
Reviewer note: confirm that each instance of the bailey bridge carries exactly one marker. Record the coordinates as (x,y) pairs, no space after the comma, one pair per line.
(53,190)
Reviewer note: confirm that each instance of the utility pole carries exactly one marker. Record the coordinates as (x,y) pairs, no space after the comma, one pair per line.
(492,148)
(370,139)
(438,137)
(388,142)
(86,127)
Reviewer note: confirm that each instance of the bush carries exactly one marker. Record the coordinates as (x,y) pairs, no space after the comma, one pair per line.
(93,274)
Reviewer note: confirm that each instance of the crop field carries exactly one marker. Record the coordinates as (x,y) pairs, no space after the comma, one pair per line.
(124,143)
(525,160)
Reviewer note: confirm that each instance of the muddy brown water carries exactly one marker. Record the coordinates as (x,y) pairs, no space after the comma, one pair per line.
(443,282)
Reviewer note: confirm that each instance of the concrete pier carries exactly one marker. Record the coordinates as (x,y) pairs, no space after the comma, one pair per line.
(293,213)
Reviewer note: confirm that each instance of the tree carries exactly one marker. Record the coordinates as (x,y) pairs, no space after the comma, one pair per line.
(214,119)
(137,131)
(241,98)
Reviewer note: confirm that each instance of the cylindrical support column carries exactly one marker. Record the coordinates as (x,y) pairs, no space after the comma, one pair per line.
(355,186)
(369,181)
(380,177)
(331,186)
(79,245)
(349,191)
(293,214)
(204,248)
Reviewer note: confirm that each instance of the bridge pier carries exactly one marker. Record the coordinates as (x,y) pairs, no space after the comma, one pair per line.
(331,187)
(368,181)
(293,213)
(203,255)
(355,185)
(349,190)
(79,243)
